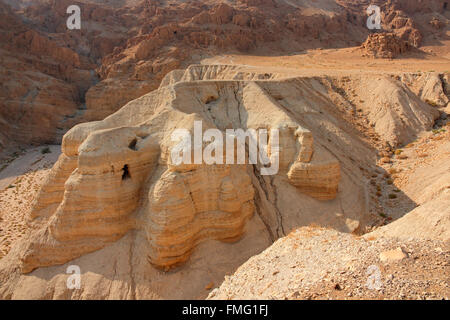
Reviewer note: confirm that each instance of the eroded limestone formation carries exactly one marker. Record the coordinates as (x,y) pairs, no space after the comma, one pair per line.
(117,174)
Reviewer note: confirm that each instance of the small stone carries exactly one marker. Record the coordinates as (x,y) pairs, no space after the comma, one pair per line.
(393,255)
(438,250)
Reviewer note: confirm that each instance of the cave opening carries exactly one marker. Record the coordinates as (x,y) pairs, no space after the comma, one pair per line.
(126,172)
(132,144)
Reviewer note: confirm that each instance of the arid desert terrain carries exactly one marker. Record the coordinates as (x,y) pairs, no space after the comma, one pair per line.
(357,125)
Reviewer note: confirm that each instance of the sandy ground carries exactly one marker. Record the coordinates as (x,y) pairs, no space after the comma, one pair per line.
(344,61)
(20,180)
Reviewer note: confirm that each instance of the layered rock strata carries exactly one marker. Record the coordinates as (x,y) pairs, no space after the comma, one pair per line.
(118,174)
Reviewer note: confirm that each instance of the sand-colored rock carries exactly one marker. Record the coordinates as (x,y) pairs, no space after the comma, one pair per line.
(429,86)
(118,175)
(319,177)
(393,255)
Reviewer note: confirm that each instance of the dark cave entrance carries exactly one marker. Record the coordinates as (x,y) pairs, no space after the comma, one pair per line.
(126,172)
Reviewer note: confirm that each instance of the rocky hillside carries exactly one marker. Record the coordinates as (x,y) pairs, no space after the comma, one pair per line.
(53,78)
(313,263)
(140,225)
(348,196)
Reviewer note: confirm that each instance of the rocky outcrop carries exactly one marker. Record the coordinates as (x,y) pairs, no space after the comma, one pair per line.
(384,45)
(318,178)
(430,87)
(117,174)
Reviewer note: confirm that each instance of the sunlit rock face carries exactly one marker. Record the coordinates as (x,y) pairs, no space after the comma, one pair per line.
(118,174)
